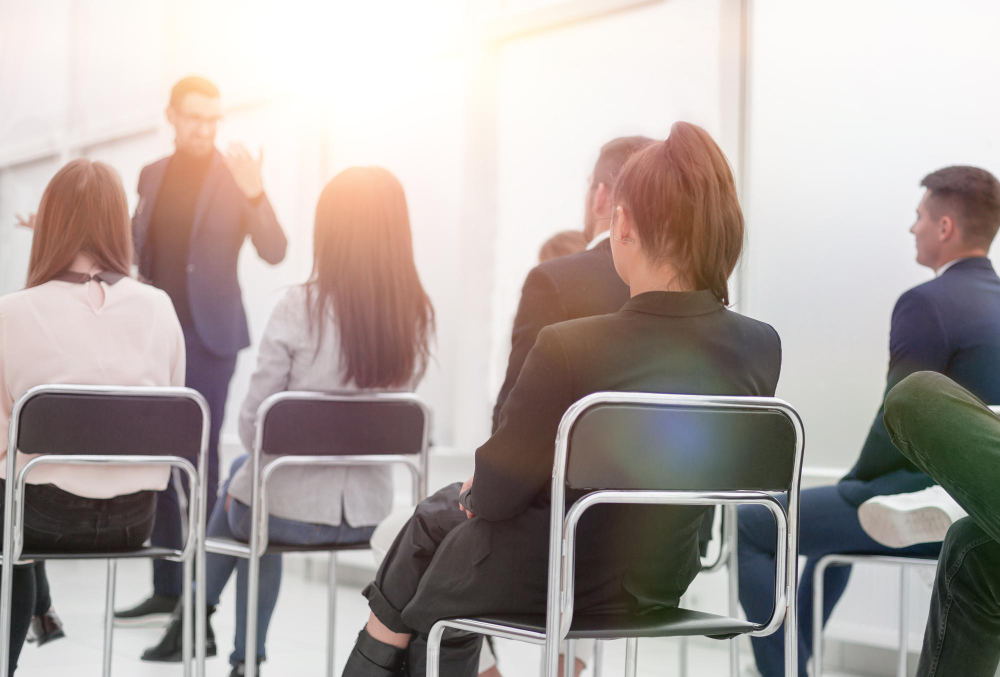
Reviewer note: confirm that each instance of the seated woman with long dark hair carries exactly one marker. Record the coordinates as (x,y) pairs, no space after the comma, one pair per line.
(677,232)
(81,319)
(361,323)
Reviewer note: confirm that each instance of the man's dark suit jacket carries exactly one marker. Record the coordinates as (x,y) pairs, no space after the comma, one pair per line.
(566,288)
(950,325)
(223,219)
(630,558)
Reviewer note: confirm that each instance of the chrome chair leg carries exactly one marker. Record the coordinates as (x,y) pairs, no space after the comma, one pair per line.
(598,657)
(109,617)
(187,623)
(253,595)
(904,619)
(819,580)
(631,656)
(434,651)
(569,660)
(331,613)
(733,569)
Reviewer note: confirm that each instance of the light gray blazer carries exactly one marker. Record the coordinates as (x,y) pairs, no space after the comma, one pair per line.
(288,360)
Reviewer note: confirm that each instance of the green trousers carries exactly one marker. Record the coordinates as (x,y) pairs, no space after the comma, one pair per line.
(955,438)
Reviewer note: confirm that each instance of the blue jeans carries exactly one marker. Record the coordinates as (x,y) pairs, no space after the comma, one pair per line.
(235,523)
(827,524)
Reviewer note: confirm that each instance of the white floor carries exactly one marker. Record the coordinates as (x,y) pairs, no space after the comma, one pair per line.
(296,642)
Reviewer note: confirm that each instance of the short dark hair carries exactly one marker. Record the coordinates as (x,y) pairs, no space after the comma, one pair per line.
(189,85)
(971,196)
(682,197)
(613,156)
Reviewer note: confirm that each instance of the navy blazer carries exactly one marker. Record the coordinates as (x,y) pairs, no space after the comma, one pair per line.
(950,325)
(223,219)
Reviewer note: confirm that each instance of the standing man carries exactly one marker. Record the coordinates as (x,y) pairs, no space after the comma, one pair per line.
(195,209)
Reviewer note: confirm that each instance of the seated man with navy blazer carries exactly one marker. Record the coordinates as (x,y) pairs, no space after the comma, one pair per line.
(195,210)
(949,325)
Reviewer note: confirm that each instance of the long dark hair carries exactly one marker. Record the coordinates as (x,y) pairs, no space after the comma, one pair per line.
(363,269)
(683,199)
(83,209)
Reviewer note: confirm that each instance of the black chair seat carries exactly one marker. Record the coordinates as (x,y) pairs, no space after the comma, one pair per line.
(278,548)
(150,553)
(666,623)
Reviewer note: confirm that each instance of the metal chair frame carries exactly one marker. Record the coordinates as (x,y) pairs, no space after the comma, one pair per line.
(562,535)
(191,553)
(903,563)
(726,557)
(261,478)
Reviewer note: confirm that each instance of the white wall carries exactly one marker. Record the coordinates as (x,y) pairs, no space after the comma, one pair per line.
(852,103)
(562,94)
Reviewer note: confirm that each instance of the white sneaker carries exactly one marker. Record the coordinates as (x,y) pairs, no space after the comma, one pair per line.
(907,519)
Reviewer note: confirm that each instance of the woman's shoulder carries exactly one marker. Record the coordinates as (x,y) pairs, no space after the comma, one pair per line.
(292,307)
(754,327)
(15,300)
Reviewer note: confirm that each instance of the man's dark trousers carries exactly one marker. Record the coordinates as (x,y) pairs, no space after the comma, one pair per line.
(210,375)
(953,437)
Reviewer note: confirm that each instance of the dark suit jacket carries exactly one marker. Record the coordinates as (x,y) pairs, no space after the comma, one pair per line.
(566,288)
(630,558)
(223,219)
(949,325)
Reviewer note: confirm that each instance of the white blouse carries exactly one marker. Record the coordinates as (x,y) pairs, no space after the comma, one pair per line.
(65,332)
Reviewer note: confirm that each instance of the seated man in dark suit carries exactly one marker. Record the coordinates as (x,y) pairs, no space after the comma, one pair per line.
(578,285)
(949,325)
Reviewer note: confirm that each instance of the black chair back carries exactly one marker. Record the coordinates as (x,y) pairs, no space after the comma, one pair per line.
(673,448)
(344,426)
(110,424)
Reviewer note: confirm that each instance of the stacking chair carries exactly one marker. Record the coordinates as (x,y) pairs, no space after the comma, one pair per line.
(99,425)
(904,564)
(725,557)
(317,429)
(650,449)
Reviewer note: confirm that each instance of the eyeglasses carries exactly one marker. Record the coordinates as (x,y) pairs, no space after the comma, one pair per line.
(187,118)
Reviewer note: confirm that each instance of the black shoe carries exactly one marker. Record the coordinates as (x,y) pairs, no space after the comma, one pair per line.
(153,612)
(170,648)
(239,670)
(372,658)
(46,628)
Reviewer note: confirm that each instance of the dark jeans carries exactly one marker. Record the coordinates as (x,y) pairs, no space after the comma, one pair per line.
(955,439)
(58,521)
(233,521)
(828,524)
(209,374)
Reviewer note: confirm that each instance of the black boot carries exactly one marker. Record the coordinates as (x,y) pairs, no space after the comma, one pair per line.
(240,669)
(170,649)
(45,628)
(372,658)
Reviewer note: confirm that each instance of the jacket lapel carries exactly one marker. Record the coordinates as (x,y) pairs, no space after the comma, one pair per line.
(216,172)
(144,210)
